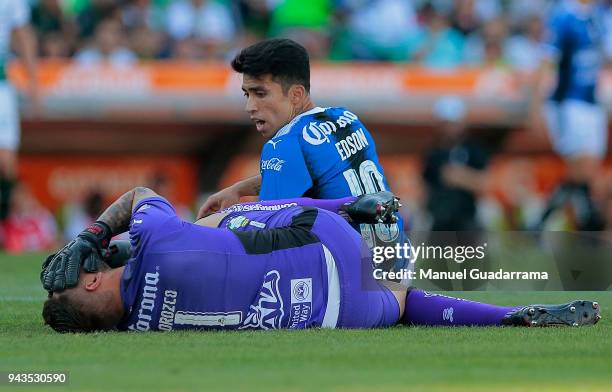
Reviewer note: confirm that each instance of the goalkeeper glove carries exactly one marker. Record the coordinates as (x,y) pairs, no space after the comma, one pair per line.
(61,271)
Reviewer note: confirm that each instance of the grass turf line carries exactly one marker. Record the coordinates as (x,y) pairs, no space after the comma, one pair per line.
(400,358)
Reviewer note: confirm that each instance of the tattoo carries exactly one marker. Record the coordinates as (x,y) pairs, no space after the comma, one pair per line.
(118,215)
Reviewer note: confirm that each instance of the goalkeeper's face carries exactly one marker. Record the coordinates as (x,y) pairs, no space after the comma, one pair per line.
(88,307)
(270,106)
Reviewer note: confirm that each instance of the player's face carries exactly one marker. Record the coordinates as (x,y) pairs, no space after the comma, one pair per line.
(452,130)
(268,106)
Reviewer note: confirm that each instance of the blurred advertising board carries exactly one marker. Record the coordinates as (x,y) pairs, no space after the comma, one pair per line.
(206,91)
(59,179)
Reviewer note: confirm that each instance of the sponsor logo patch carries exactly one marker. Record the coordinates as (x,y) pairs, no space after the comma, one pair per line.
(147,303)
(237,222)
(317,133)
(258,207)
(301,302)
(447,314)
(268,312)
(259,225)
(275,164)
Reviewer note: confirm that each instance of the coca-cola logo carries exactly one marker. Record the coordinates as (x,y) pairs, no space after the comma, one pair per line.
(275,164)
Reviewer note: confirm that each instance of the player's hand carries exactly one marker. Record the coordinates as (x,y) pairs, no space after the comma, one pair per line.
(61,271)
(535,121)
(218,201)
(464,177)
(454,174)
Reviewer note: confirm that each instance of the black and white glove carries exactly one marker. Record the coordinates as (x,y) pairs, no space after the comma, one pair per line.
(61,270)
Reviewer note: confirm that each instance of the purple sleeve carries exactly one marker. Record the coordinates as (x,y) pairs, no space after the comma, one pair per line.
(150,216)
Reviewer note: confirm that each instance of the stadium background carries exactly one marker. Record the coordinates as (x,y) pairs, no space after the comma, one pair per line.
(164,110)
(138,92)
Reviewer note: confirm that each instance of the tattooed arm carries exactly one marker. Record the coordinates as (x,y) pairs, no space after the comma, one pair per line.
(118,215)
(61,271)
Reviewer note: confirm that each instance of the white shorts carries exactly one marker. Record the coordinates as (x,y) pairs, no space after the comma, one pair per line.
(577,128)
(9,117)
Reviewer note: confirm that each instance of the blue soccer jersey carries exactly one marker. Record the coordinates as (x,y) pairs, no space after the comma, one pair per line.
(575,37)
(325,153)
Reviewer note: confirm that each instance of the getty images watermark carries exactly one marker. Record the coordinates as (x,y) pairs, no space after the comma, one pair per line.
(437,253)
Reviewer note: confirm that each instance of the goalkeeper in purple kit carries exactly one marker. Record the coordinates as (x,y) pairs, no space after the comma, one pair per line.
(292,263)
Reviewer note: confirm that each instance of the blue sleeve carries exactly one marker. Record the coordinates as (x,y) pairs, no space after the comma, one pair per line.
(284,172)
(152,216)
(556,37)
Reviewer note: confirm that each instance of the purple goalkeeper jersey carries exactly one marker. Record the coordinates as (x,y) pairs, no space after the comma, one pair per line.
(185,276)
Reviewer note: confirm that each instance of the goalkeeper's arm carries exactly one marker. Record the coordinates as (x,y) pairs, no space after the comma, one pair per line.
(62,270)
(117,216)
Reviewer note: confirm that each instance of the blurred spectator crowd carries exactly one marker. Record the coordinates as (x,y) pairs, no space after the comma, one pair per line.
(32,227)
(437,33)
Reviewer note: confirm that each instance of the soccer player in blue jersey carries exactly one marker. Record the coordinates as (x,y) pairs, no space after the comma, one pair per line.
(576,122)
(324,153)
(284,266)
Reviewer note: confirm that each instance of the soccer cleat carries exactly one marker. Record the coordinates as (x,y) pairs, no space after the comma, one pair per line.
(575,313)
(379,207)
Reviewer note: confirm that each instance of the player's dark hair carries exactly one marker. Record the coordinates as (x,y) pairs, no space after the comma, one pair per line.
(64,315)
(284,59)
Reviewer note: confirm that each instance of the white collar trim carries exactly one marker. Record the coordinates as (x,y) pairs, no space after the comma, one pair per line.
(285,129)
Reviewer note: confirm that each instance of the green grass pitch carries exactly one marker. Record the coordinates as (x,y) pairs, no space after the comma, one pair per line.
(396,359)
